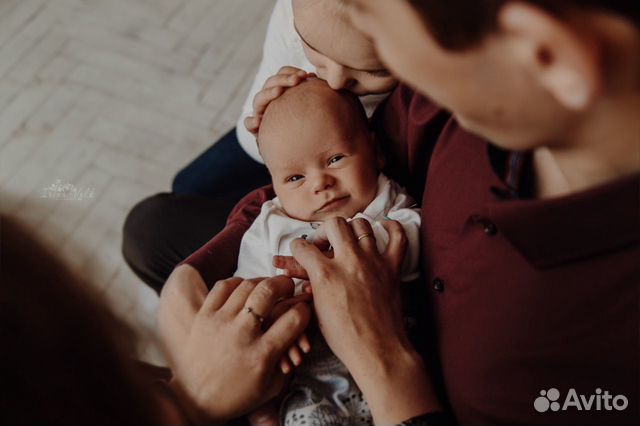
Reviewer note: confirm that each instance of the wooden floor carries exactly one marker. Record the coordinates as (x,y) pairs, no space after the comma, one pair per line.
(101,102)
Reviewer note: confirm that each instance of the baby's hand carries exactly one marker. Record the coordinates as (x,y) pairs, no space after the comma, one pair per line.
(273,87)
(293,357)
(291,266)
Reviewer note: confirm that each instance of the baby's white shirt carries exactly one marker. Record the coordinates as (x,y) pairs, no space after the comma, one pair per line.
(273,230)
(282,47)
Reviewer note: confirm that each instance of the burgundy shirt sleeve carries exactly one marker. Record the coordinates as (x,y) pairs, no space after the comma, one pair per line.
(218,258)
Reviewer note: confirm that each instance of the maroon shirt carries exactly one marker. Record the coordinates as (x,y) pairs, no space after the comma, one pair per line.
(525,295)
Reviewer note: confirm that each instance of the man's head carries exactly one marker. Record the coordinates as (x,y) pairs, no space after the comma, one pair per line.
(523,74)
(321,156)
(342,55)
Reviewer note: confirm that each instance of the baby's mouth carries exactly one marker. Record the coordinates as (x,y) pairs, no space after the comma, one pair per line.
(333,204)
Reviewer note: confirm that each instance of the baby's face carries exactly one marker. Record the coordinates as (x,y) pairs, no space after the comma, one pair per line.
(321,164)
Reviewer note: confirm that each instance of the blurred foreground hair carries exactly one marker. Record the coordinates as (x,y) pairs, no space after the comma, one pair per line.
(65,358)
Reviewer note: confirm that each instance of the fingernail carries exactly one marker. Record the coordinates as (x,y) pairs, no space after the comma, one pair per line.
(305,347)
(286,369)
(286,272)
(293,78)
(302,73)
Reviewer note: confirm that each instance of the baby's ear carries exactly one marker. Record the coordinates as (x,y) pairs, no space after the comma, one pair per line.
(380,160)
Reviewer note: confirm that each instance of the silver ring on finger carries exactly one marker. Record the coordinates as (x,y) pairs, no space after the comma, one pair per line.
(259,318)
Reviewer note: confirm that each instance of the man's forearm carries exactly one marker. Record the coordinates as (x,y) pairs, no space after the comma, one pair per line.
(396,386)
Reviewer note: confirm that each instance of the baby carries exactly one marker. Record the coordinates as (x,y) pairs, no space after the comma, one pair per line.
(323,163)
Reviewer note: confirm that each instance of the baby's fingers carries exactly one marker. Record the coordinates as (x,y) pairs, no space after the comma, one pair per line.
(295,356)
(285,365)
(295,352)
(290,266)
(304,344)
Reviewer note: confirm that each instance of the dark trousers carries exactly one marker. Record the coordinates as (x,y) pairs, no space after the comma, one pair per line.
(164,229)
(223,172)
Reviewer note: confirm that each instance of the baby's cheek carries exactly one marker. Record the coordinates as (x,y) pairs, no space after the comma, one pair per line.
(297,208)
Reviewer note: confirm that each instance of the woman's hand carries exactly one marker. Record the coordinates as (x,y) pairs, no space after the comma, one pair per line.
(273,88)
(224,362)
(357,301)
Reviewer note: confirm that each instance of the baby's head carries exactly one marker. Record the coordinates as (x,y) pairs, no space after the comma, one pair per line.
(317,146)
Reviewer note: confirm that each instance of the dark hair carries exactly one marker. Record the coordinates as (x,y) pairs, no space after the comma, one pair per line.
(461,24)
(65,358)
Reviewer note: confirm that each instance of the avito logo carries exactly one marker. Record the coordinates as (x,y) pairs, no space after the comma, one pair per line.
(549,400)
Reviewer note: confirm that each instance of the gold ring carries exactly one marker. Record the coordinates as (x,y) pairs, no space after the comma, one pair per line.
(365,235)
(257,316)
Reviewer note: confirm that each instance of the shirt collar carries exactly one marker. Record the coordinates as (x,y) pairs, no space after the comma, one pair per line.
(550,232)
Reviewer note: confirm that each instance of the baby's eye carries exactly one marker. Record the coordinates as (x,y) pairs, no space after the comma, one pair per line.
(335,159)
(294,178)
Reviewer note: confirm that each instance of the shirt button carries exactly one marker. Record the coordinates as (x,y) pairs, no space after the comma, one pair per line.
(438,284)
(490,228)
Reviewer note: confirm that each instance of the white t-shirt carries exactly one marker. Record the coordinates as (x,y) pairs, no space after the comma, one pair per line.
(282,47)
(273,230)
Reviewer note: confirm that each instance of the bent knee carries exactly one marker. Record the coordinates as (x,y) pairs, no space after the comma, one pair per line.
(143,240)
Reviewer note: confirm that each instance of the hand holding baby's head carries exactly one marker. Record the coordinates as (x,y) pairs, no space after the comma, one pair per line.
(321,155)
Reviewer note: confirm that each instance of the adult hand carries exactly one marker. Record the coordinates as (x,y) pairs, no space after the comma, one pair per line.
(273,88)
(225,363)
(357,302)
(357,292)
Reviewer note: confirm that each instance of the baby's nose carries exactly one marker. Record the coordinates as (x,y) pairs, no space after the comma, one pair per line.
(323,182)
